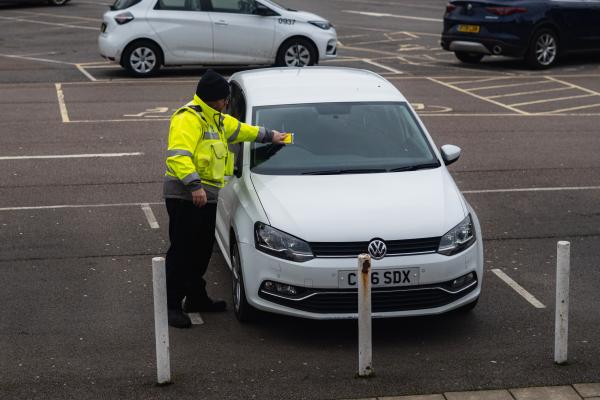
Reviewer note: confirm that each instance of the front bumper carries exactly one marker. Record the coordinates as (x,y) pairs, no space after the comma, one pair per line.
(321,298)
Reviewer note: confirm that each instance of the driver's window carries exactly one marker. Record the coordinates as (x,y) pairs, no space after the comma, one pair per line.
(234,6)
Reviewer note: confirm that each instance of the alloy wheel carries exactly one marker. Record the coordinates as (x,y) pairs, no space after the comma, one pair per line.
(297,55)
(142,60)
(545,49)
(236,281)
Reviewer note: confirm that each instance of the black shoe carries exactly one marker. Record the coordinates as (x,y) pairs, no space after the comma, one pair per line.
(178,319)
(205,305)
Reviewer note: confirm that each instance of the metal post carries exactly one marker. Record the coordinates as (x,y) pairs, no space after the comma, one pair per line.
(161,325)
(561,328)
(365,351)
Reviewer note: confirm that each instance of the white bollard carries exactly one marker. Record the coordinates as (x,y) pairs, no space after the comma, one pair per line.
(161,321)
(561,328)
(365,350)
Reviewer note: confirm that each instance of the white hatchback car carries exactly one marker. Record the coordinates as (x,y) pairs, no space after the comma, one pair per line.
(142,35)
(362,170)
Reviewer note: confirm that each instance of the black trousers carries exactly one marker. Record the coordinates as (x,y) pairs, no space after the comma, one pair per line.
(192,236)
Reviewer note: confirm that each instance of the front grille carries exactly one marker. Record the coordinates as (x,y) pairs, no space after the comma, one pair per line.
(394,247)
(330,301)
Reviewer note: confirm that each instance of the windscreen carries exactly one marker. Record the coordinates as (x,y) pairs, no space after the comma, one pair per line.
(123,4)
(333,138)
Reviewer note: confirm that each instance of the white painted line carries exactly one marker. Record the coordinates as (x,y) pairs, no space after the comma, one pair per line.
(574,108)
(64,114)
(379,15)
(542,189)
(84,72)
(368,61)
(150,216)
(410,34)
(63,156)
(530,92)
(477,96)
(479,80)
(49,23)
(46,60)
(61,206)
(518,288)
(196,318)
(98,20)
(527,103)
(510,85)
(590,91)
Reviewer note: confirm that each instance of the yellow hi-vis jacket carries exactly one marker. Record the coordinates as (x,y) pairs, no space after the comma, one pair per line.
(198,152)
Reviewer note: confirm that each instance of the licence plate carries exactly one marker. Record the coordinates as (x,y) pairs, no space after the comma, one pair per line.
(468,28)
(103,28)
(381,278)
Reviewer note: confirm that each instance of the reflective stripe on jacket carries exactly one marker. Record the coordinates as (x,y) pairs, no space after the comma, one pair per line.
(198,152)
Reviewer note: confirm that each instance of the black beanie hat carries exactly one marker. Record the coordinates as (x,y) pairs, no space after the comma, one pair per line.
(212,86)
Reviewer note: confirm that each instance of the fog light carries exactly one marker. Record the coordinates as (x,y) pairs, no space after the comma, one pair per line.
(269,286)
(286,289)
(463,281)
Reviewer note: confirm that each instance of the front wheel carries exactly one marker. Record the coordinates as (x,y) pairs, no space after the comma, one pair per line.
(296,53)
(244,312)
(142,58)
(468,58)
(543,51)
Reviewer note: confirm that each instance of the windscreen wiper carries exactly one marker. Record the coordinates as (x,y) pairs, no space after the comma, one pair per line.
(345,171)
(415,167)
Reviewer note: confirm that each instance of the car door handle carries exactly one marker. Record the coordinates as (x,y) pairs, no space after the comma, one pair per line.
(221,22)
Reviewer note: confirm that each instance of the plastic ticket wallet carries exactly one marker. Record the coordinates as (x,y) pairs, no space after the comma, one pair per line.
(289,139)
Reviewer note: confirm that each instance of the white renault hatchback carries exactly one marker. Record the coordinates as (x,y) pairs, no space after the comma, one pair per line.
(143,35)
(362,170)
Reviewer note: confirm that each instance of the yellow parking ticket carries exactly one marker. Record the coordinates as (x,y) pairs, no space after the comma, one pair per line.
(289,139)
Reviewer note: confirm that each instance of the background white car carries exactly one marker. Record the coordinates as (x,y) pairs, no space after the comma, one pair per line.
(362,170)
(142,35)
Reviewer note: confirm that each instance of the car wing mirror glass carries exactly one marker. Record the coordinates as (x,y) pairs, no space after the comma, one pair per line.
(450,153)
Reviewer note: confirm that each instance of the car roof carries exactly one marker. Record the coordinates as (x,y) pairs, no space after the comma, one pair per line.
(272,86)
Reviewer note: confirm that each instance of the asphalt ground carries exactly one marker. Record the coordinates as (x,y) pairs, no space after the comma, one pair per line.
(76,245)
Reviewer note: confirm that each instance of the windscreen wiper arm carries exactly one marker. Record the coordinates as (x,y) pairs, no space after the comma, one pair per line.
(415,167)
(345,171)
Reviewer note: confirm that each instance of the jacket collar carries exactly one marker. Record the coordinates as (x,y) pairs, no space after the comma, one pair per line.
(208,111)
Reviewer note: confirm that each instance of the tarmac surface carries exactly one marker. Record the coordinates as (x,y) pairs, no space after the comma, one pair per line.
(82,150)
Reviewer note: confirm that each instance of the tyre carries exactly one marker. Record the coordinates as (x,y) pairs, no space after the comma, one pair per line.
(142,58)
(57,2)
(543,50)
(296,52)
(244,312)
(468,58)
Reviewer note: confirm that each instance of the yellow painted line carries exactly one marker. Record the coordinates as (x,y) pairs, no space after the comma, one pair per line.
(573,108)
(479,97)
(574,86)
(510,85)
(551,100)
(61,103)
(531,92)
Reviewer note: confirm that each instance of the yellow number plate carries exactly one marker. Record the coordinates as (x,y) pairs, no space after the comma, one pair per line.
(468,28)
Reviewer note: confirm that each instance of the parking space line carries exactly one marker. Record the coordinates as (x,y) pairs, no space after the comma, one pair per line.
(551,100)
(64,114)
(528,93)
(509,85)
(479,97)
(573,85)
(376,64)
(411,17)
(36,58)
(64,156)
(49,23)
(534,189)
(68,206)
(60,16)
(573,109)
(518,288)
(150,216)
(84,72)
(196,318)
(479,80)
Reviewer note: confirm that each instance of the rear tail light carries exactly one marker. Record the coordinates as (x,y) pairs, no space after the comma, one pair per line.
(123,18)
(503,11)
(450,7)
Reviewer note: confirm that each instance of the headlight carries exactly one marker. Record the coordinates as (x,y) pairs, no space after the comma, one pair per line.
(281,244)
(458,238)
(321,24)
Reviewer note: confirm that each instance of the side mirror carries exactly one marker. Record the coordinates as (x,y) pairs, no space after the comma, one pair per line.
(450,153)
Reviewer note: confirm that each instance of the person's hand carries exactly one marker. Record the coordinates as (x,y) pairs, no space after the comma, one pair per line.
(279,137)
(199,197)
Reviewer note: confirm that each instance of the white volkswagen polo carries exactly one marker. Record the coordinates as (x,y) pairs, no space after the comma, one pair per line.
(142,35)
(362,175)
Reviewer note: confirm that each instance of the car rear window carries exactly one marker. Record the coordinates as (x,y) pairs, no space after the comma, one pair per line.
(123,4)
